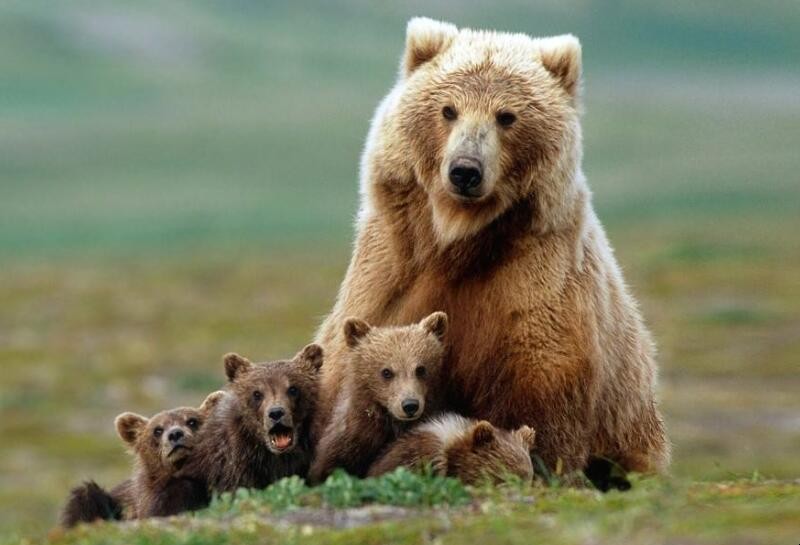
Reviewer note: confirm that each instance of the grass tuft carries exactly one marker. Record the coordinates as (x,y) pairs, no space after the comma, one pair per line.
(400,487)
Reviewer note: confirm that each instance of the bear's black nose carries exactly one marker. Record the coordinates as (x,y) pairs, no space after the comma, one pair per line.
(276,413)
(466,174)
(175,436)
(410,406)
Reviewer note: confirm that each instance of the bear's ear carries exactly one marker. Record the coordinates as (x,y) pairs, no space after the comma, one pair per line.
(311,354)
(354,331)
(436,323)
(561,56)
(236,365)
(526,435)
(425,38)
(211,401)
(129,426)
(482,433)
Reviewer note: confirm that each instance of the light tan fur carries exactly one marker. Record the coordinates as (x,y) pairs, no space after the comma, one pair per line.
(391,380)
(543,330)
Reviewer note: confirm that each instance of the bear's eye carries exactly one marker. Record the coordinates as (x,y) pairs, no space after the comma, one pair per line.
(192,423)
(387,374)
(421,371)
(293,391)
(449,113)
(505,119)
(157,432)
(258,396)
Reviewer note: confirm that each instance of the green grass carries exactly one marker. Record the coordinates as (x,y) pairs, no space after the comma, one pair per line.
(178,180)
(340,490)
(742,511)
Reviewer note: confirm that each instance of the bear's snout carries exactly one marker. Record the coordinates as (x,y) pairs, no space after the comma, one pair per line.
(466,175)
(175,436)
(276,413)
(410,406)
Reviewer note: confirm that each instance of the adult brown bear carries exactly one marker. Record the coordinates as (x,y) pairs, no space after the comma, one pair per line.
(473,202)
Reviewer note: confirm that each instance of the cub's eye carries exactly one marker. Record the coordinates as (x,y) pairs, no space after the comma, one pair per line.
(192,423)
(258,396)
(157,432)
(505,119)
(449,113)
(387,374)
(293,391)
(421,371)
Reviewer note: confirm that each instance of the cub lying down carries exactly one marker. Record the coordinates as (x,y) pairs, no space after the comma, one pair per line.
(454,446)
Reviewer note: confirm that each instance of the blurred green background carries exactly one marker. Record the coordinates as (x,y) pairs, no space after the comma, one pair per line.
(178,179)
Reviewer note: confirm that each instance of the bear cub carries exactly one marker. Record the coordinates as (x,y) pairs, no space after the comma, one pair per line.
(389,376)
(260,432)
(470,450)
(162,446)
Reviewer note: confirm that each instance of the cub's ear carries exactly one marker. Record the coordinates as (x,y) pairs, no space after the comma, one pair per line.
(211,401)
(526,435)
(129,426)
(236,366)
(312,354)
(354,331)
(561,56)
(436,323)
(425,38)
(482,433)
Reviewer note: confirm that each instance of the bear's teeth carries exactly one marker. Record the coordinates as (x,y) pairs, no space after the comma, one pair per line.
(282,440)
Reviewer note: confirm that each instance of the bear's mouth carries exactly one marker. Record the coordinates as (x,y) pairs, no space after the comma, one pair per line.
(401,417)
(179,449)
(469,197)
(281,438)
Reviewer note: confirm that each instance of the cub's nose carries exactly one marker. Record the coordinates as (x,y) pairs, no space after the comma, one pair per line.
(410,406)
(175,436)
(465,174)
(276,413)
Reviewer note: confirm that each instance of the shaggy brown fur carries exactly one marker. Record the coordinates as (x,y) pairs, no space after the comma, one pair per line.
(261,430)
(543,329)
(90,502)
(162,445)
(391,374)
(473,451)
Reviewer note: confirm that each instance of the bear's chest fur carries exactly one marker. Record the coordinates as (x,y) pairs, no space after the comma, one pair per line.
(490,316)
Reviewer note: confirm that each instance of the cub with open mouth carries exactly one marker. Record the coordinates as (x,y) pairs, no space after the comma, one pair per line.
(390,373)
(162,445)
(260,432)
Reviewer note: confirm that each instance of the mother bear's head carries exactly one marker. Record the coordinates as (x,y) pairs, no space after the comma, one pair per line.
(483,121)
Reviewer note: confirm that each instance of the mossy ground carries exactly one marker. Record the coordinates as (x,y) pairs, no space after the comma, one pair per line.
(654,511)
